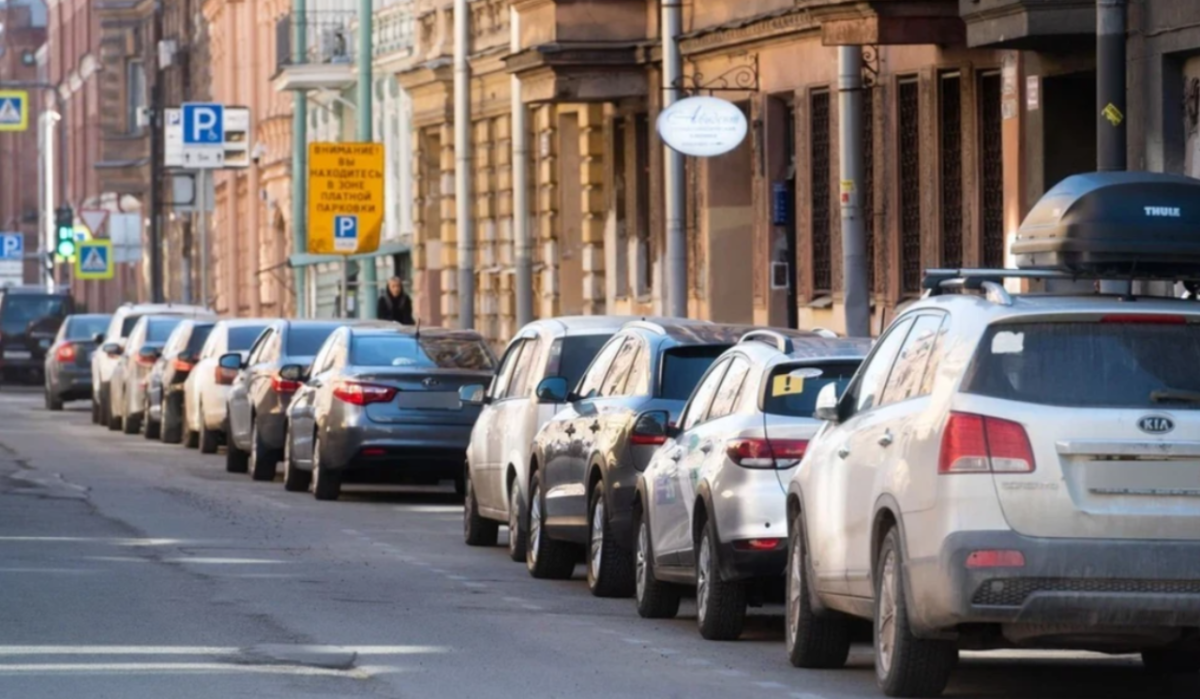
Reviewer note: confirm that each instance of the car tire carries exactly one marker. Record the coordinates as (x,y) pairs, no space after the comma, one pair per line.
(477,530)
(1171,661)
(208,439)
(171,431)
(295,480)
(720,604)
(113,419)
(326,484)
(130,423)
(546,558)
(819,641)
(264,461)
(153,428)
(610,571)
(516,524)
(905,666)
(95,412)
(655,599)
(53,402)
(236,460)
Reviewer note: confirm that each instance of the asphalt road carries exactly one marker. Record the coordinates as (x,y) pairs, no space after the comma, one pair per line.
(132,569)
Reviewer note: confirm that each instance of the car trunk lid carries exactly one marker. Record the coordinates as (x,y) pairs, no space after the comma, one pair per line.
(428,396)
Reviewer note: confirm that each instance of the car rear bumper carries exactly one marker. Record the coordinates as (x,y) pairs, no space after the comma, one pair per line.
(71,381)
(422,451)
(1089,584)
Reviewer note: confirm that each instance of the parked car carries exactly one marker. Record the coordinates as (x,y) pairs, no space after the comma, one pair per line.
(585,461)
(498,456)
(259,397)
(130,378)
(66,365)
(206,389)
(710,508)
(382,404)
(164,388)
(112,343)
(29,319)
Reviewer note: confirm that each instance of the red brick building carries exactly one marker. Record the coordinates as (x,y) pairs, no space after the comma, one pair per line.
(22,32)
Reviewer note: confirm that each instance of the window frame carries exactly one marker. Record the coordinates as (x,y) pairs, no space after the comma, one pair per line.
(735,399)
(918,316)
(848,404)
(619,340)
(721,365)
(531,350)
(618,391)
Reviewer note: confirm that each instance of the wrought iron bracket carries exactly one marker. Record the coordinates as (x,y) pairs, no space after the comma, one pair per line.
(740,78)
(870,66)
(1191,105)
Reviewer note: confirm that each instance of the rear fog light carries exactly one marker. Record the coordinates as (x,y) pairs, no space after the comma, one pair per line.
(758,544)
(996,559)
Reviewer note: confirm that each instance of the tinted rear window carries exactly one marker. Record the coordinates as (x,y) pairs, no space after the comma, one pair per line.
(571,356)
(200,334)
(306,342)
(161,328)
(428,352)
(20,310)
(242,337)
(85,328)
(1089,365)
(127,325)
(792,389)
(683,367)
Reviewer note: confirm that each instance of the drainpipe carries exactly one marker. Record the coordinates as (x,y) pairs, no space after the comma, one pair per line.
(463,163)
(367,286)
(300,158)
(1110,97)
(854,230)
(673,170)
(520,165)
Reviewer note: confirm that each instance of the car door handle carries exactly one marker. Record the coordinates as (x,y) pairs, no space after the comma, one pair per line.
(570,429)
(706,447)
(887,439)
(595,426)
(677,455)
(843,452)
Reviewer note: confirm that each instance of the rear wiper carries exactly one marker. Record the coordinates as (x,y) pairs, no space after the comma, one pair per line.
(1175,396)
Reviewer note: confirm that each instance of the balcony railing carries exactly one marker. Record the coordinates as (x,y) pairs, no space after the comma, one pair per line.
(393,29)
(332,36)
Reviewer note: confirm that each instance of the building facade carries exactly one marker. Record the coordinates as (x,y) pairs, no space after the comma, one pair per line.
(21,35)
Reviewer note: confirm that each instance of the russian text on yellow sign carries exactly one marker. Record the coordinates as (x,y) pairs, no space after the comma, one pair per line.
(345,179)
(84,259)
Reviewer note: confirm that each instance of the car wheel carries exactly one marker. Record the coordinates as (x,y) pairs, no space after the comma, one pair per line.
(477,530)
(95,412)
(153,427)
(114,419)
(516,530)
(1171,661)
(191,438)
(655,599)
(294,479)
(720,605)
(905,666)
(817,641)
(264,461)
(131,423)
(610,563)
(545,558)
(172,424)
(53,402)
(326,484)
(208,438)
(236,460)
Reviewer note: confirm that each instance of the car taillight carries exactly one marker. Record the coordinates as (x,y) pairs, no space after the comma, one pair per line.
(996,558)
(183,366)
(762,453)
(283,385)
(65,353)
(758,544)
(356,393)
(146,360)
(979,444)
(223,376)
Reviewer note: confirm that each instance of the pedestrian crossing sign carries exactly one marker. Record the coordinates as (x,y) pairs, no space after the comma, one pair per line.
(94,260)
(14,110)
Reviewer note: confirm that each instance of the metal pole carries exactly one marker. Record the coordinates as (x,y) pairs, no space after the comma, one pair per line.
(202,176)
(346,311)
(1110,92)
(45,124)
(854,230)
(367,283)
(156,165)
(520,164)
(673,171)
(300,158)
(463,163)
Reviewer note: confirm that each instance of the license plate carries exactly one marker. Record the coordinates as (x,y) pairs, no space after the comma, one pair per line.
(428,400)
(16,354)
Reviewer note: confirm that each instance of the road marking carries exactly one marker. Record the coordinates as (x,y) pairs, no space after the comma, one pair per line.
(634,641)
(771,685)
(160,668)
(475,584)
(730,672)
(532,607)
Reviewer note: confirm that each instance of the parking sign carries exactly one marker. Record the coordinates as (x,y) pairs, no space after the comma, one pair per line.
(204,124)
(12,246)
(345,233)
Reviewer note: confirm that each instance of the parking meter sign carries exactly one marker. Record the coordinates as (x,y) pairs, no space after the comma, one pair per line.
(345,233)
(345,198)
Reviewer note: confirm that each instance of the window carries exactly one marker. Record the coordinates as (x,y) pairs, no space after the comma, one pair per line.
(175,341)
(697,407)
(20,310)
(591,383)
(127,325)
(321,363)
(908,374)
(819,201)
(614,384)
(731,387)
(951,155)
(402,350)
(639,377)
(198,338)
(910,186)
(571,355)
(683,367)
(85,327)
(161,328)
(879,364)
(521,384)
(256,351)
(307,341)
(135,86)
(242,337)
(508,365)
(991,149)
(790,397)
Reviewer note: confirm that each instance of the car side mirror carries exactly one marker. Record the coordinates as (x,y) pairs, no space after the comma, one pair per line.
(293,372)
(553,390)
(112,349)
(827,404)
(653,428)
(475,394)
(232,361)
(98,338)
(149,353)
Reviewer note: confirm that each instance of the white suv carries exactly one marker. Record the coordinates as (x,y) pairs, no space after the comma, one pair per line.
(1005,471)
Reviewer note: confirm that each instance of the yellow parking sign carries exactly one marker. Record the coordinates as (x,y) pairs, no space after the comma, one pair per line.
(345,197)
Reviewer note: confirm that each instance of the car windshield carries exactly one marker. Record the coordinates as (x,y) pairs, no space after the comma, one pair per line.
(161,328)
(570,356)
(306,341)
(792,389)
(127,325)
(242,337)
(683,367)
(86,327)
(22,309)
(1089,365)
(200,334)
(428,352)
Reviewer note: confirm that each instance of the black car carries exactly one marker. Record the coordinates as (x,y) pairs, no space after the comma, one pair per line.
(29,320)
(68,362)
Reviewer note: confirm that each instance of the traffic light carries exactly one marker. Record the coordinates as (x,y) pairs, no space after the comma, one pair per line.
(64,223)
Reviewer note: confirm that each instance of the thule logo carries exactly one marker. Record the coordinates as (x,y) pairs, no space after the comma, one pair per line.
(1163,212)
(1156,424)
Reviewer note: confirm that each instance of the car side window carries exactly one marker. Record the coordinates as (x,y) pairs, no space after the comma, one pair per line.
(114,328)
(508,365)
(322,358)
(869,385)
(212,344)
(908,372)
(702,397)
(618,375)
(730,388)
(589,387)
(523,370)
(273,349)
(259,346)
(639,376)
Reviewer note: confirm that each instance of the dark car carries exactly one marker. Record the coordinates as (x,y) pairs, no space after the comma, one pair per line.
(383,405)
(587,459)
(29,320)
(67,365)
(164,394)
(259,397)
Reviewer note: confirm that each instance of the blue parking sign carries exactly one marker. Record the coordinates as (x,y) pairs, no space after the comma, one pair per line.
(345,233)
(12,246)
(203,124)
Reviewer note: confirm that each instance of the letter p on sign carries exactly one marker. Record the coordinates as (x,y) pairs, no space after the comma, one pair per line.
(345,233)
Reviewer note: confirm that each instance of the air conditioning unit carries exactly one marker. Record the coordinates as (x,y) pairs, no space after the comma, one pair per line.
(335,45)
(167,48)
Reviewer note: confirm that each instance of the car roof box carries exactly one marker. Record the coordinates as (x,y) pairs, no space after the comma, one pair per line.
(1140,225)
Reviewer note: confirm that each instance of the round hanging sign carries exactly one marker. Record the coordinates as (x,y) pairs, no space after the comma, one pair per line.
(702,126)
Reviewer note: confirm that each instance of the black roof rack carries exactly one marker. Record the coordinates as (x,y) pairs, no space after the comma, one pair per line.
(781,342)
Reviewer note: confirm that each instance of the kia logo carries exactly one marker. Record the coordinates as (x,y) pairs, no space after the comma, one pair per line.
(1156,424)
(431,382)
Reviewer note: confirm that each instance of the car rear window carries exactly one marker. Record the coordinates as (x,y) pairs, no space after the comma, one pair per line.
(242,337)
(428,352)
(570,356)
(199,336)
(161,328)
(86,327)
(19,310)
(683,367)
(1090,364)
(792,389)
(307,341)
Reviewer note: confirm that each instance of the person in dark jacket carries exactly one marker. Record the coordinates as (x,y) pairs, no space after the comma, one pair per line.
(394,304)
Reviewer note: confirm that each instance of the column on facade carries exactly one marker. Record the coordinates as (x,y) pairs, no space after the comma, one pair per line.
(449,228)
(504,251)
(545,153)
(487,283)
(595,206)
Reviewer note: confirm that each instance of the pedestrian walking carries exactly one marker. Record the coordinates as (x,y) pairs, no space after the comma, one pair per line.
(395,304)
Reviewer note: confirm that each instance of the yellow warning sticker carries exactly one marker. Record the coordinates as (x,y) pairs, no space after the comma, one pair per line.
(1114,115)
(787,386)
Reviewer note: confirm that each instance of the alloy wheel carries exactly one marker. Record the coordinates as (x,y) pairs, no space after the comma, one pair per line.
(643,546)
(535,523)
(886,624)
(795,584)
(702,562)
(514,518)
(597,541)
(468,508)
